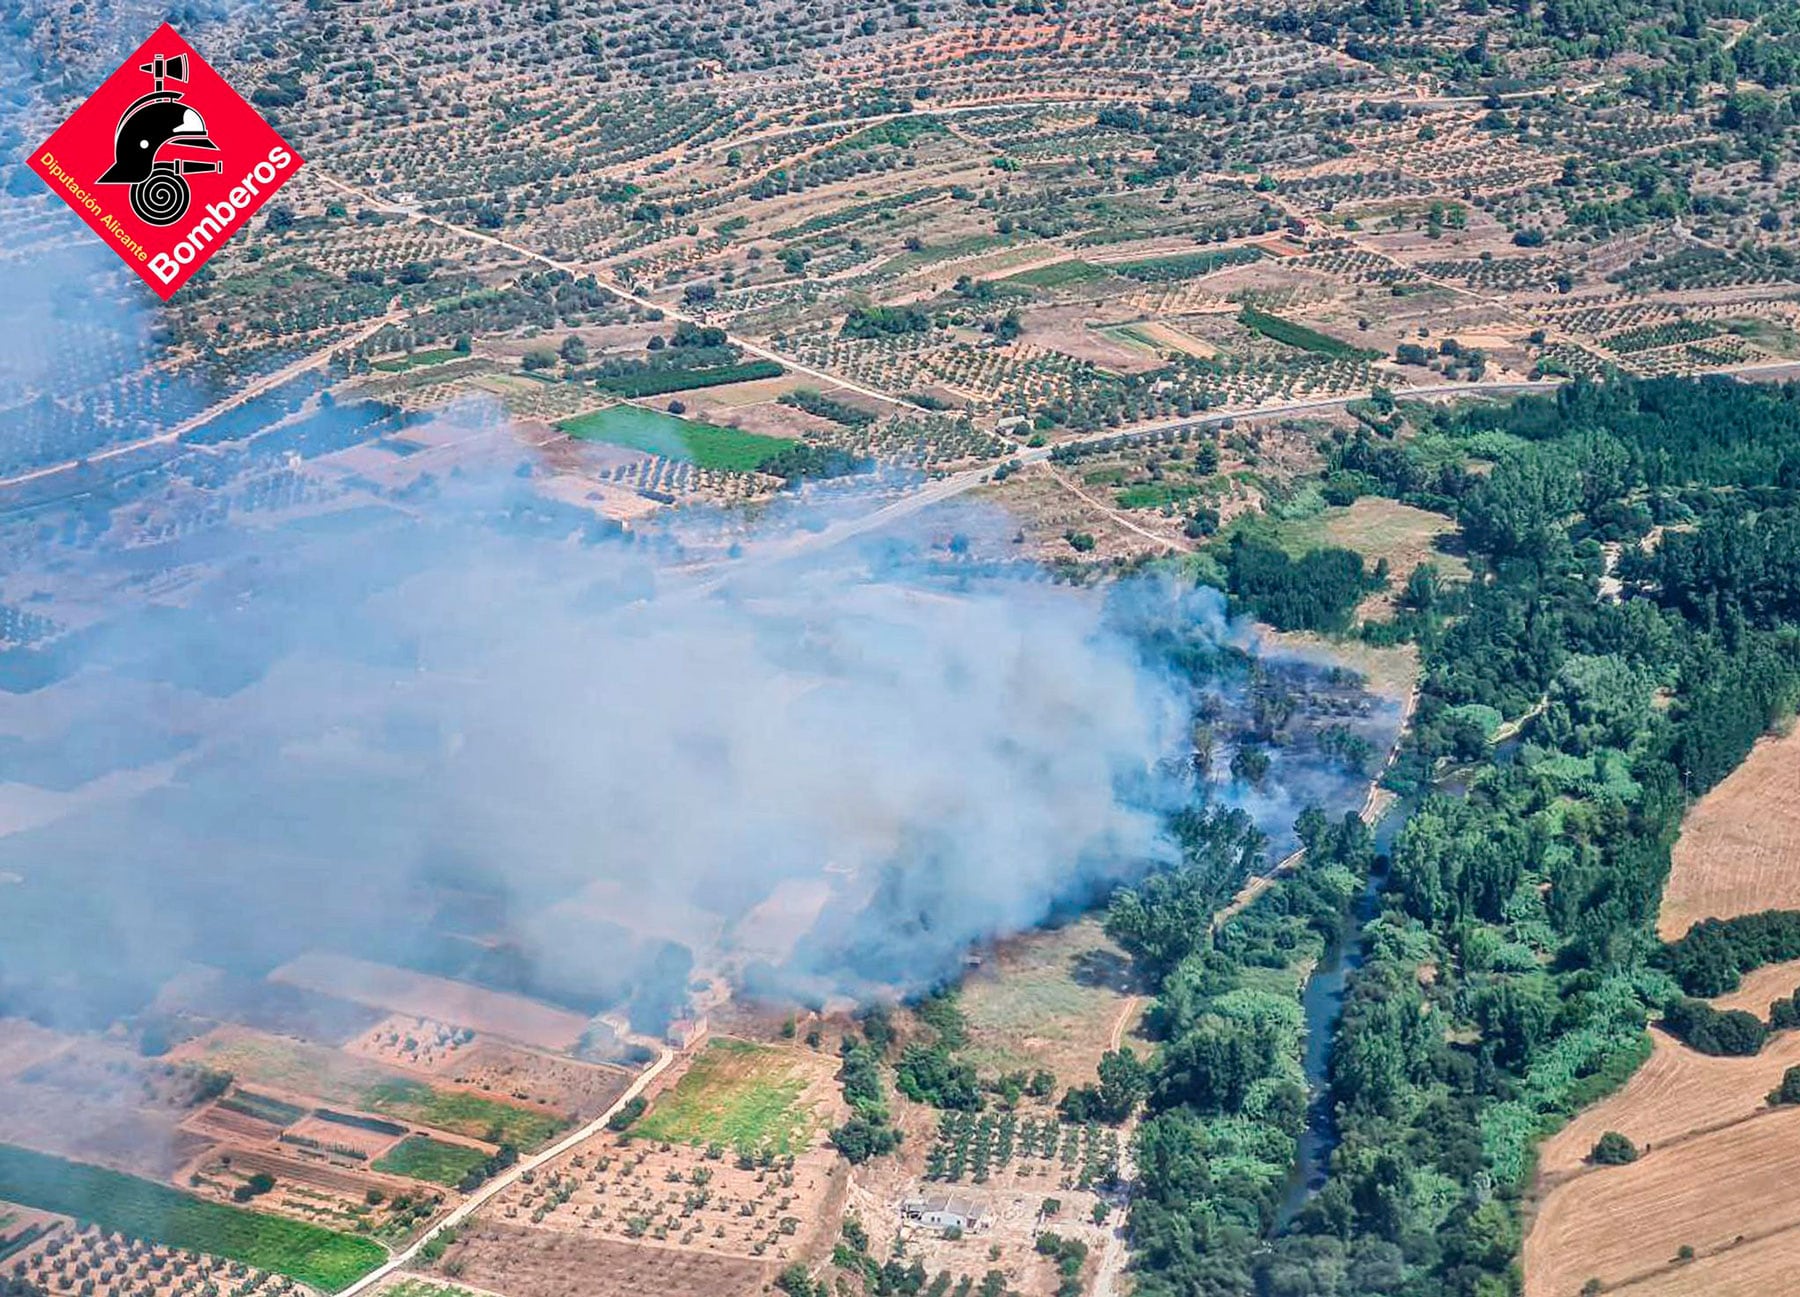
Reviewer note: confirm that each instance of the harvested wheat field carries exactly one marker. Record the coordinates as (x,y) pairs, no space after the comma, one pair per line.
(1711,1192)
(1739,850)
(1753,1268)
(1761,988)
(1716,1165)
(1677,1095)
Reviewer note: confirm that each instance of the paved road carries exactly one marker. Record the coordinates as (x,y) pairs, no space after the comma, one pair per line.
(944,488)
(500,1183)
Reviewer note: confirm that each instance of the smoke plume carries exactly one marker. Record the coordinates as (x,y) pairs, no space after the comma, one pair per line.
(431,734)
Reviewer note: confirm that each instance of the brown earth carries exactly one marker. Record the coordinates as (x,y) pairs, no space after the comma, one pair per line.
(1711,1193)
(523,1262)
(1712,1182)
(511,1016)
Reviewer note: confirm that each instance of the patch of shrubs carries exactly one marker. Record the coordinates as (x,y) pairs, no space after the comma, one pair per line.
(1731,1032)
(1613,1149)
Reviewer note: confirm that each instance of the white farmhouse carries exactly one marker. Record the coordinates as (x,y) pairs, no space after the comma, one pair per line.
(946,1212)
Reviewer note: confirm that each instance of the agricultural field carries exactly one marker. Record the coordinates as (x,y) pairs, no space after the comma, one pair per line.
(438,999)
(706,1200)
(700,444)
(501,1256)
(91,1099)
(1710,1179)
(156,1214)
(1713,1151)
(420,1157)
(341,1079)
(462,1112)
(1055,1000)
(70,1260)
(412,1286)
(1738,846)
(740,1095)
(1118,276)
(1012,1152)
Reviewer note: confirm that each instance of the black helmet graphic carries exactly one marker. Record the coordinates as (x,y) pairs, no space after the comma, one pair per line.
(159,120)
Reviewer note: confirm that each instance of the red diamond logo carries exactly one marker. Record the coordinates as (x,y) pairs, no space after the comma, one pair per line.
(165,161)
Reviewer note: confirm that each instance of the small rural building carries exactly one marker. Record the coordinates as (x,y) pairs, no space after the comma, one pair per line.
(946,1212)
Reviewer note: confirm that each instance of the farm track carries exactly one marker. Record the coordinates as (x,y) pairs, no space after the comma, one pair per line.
(1126,1013)
(506,1179)
(612,285)
(250,392)
(1115,517)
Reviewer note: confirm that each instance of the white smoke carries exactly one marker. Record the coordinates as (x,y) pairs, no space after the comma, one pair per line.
(594,744)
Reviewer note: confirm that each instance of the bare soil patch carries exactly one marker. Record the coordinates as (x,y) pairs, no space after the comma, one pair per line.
(1678,1094)
(685,1199)
(402,990)
(1759,989)
(523,1262)
(1708,1194)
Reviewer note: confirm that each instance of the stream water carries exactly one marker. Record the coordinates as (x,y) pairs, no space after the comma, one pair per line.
(1323,1003)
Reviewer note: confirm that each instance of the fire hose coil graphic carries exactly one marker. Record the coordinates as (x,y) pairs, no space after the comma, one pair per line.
(155,122)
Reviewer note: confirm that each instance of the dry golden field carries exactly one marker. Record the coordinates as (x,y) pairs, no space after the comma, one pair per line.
(1712,1192)
(1739,851)
(1706,1208)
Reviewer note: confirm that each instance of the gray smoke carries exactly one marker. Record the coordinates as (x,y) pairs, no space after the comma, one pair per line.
(431,733)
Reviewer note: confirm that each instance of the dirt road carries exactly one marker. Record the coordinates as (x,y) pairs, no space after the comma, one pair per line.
(251,391)
(618,290)
(500,1183)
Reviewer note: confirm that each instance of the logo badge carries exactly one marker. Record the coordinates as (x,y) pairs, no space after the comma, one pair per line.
(165,161)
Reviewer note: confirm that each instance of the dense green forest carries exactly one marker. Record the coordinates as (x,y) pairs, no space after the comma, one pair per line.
(1635,604)
(1227,1098)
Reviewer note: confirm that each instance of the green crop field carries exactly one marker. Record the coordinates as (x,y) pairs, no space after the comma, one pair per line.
(1056,274)
(738,1094)
(1298,335)
(659,382)
(1154,495)
(421,1158)
(158,1214)
(1163,270)
(700,444)
(462,1112)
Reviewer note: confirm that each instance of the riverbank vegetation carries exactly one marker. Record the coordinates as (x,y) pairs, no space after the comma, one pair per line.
(1514,965)
(1226,1098)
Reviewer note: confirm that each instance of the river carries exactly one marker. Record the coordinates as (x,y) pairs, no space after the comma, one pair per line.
(1323,1003)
